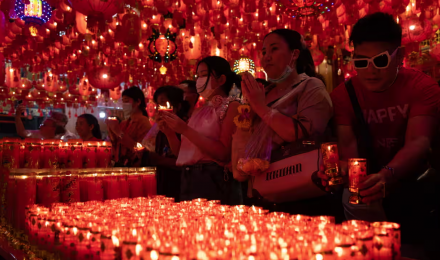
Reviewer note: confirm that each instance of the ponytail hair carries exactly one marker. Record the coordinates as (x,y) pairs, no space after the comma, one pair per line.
(304,63)
(218,66)
(137,94)
(91,120)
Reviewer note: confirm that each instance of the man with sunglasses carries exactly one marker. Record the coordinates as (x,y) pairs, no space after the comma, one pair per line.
(387,114)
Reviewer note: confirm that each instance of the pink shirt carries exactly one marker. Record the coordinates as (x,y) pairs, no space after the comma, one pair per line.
(207,121)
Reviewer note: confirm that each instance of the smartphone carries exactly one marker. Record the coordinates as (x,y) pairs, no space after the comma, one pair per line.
(18,102)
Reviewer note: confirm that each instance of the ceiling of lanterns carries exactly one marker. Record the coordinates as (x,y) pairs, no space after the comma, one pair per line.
(89,44)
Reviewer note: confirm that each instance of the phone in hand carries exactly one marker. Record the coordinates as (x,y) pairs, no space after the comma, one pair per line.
(17,103)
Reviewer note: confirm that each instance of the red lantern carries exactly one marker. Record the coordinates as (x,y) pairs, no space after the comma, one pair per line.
(131,29)
(2,64)
(105,77)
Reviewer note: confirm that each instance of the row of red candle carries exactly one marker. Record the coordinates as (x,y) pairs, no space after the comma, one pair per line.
(27,187)
(157,228)
(34,153)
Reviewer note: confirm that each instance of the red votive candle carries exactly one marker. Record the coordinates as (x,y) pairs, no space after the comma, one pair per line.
(48,187)
(103,154)
(74,154)
(70,187)
(32,153)
(62,155)
(11,153)
(50,153)
(89,154)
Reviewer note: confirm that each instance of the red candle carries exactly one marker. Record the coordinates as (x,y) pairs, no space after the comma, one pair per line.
(70,188)
(21,157)
(74,154)
(89,154)
(11,153)
(95,189)
(166,108)
(83,187)
(112,188)
(48,188)
(136,187)
(32,153)
(1,151)
(149,181)
(62,155)
(104,153)
(124,186)
(50,153)
(10,200)
(25,194)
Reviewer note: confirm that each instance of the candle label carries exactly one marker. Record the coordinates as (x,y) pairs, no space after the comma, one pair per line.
(357,172)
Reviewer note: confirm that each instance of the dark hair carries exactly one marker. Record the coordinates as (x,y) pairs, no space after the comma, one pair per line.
(91,120)
(137,95)
(304,63)
(191,85)
(175,97)
(377,27)
(262,81)
(220,66)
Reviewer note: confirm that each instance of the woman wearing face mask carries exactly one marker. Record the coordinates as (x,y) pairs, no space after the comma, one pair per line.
(290,68)
(132,130)
(205,149)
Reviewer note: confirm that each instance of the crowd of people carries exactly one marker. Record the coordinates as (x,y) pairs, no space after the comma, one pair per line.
(386,113)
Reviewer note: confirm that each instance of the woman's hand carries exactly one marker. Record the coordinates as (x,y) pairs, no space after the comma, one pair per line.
(252,91)
(20,110)
(174,122)
(163,127)
(373,187)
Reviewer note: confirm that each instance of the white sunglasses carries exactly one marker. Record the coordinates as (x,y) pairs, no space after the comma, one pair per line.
(380,61)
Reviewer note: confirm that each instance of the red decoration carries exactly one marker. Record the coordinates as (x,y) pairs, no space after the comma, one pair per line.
(105,77)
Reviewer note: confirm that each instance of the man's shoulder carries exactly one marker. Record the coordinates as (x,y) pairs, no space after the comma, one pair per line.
(417,79)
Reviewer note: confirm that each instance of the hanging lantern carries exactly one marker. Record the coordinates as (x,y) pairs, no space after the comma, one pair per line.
(105,77)
(244,64)
(163,47)
(36,11)
(163,70)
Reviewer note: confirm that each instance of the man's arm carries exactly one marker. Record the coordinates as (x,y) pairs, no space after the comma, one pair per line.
(419,133)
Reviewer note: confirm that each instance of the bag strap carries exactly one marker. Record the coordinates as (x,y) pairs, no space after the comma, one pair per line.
(365,148)
(296,124)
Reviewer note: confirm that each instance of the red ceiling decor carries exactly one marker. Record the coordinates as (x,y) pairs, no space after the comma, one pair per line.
(123,39)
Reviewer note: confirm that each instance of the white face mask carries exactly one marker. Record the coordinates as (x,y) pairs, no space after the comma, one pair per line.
(287,71)
(208,91)
(127,108)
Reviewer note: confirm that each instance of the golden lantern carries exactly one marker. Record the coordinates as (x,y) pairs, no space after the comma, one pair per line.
(163,70)
(244,64)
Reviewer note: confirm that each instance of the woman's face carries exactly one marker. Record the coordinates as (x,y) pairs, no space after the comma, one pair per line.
(202,71)
(276,55)
(83,128)
(129,100)
(47,129)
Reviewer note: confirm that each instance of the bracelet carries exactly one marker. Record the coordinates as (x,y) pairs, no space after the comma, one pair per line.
(390,169)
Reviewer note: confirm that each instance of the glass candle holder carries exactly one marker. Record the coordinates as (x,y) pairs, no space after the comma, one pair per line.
(89,154)
(11,153)
(357,171)
(74,154)
(32,153)
(104,153)
(330,159)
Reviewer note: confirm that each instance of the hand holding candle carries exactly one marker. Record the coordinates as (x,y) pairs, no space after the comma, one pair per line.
(357,170)
(330,158)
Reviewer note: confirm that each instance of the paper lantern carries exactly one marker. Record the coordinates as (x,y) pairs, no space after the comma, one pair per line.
(105,77)
(162,47)
(244,65)
(97,8)
(36,11)
(2,68)
(131,29)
